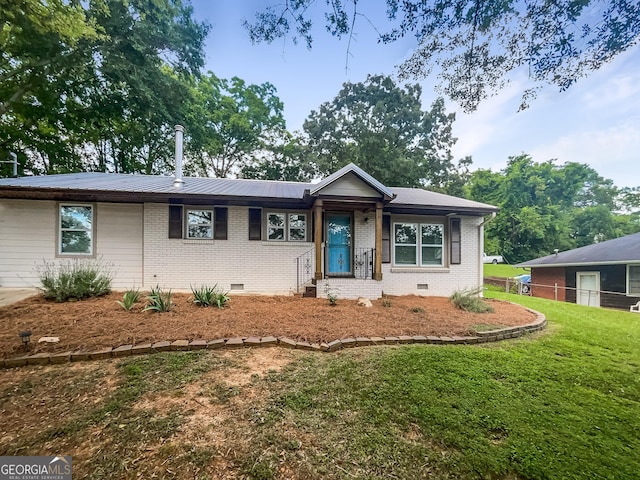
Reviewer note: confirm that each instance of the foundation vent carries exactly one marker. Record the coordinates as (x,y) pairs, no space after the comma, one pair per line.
(237,286)
(423,286)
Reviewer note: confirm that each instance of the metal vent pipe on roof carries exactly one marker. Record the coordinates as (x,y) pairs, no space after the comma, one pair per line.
(178,181)
(13,159)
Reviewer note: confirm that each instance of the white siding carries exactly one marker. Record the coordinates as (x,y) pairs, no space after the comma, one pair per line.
(350,186)
(28,232)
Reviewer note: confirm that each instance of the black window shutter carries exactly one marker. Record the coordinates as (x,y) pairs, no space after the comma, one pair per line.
(386,239)
(455,241)
(255,224)
(220,228)
(175,221)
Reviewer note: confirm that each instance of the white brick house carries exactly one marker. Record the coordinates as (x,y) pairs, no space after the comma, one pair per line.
(348,231)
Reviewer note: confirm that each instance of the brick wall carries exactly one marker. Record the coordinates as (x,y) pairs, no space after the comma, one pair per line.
(259,266)
(543,282)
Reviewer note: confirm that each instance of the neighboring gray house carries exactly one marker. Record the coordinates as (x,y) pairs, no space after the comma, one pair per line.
(350,231)
(605,274)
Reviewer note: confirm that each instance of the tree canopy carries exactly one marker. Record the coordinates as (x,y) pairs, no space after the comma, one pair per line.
(475,45)
(381,127)
(544,206)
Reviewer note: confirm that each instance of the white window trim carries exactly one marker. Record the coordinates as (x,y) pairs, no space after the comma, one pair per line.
(418,245)
(210,224)
(284,227)
(286,237)
(92,230)
(304,229)
(629,294)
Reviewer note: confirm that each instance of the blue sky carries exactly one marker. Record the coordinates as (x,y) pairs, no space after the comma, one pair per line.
(596,122)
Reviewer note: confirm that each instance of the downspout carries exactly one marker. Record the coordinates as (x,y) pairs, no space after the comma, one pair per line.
(481,250)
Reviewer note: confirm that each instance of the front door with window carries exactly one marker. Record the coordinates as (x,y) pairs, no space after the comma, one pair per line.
(588,284)
(339,245)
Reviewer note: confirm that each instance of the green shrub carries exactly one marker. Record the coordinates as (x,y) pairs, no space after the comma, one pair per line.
(469,301)
(74,279)
(129,299)
(206,296)
(331,294)
(158,300)
(386,302)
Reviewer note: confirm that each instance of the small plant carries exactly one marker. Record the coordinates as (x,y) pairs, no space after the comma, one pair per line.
(75,279)
(417,310)
(331,295)
(209,296)
(469,301)
(158,300)
(129,299)
(386,302)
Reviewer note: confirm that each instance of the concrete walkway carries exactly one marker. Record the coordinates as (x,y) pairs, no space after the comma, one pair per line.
(12,295)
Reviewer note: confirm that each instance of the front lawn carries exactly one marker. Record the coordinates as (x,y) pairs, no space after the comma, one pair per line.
(562,403)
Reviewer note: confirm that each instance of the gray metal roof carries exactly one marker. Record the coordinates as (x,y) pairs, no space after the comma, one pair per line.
(156,184)
(152,185)
(617,251)
(419,197)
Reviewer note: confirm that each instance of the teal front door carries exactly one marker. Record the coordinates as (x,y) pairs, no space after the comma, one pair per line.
(338,245)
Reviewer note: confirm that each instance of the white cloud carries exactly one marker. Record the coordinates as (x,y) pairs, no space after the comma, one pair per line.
(613,152)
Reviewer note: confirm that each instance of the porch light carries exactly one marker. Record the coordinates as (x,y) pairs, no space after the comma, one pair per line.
(25,337)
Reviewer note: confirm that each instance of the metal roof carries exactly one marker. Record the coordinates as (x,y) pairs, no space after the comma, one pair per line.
(156,184)
(244,190)
(419,197)
(617,251)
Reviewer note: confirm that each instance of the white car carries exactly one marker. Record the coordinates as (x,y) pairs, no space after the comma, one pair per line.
(491,258)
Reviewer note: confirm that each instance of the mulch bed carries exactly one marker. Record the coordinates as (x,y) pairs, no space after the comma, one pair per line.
(99,322)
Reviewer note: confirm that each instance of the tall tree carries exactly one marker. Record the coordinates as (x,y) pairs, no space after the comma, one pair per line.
(381,127)
(545,206)
(230,123)
(94,96)
(477,44)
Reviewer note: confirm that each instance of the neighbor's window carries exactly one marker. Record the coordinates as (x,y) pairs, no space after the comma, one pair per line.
(634,280)
(418,244)
(292,227)
(76,229)
(199,223)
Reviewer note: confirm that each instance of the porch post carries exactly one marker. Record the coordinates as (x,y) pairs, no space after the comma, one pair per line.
(317,238)
(377,269)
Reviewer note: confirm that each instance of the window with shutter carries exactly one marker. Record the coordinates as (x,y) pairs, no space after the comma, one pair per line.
(455,241)
(255,224)
(221,221)
(175,221)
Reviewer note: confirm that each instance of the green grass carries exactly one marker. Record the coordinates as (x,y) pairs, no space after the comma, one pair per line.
(502,270)
(560,404)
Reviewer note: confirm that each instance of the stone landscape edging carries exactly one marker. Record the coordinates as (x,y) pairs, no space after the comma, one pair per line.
(243,342)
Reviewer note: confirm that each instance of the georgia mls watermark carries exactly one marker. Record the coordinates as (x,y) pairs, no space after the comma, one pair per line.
(35,468)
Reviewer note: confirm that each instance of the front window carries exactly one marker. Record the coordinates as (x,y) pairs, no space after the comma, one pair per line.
(76,229)
(276,226)
(291,227)
(418,244)
(634,280)
(297,227)
(199,223)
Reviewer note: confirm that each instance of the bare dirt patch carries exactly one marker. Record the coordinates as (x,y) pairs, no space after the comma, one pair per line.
(100,322)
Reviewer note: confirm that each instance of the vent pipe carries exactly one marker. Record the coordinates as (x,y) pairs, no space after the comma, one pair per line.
(178,181)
